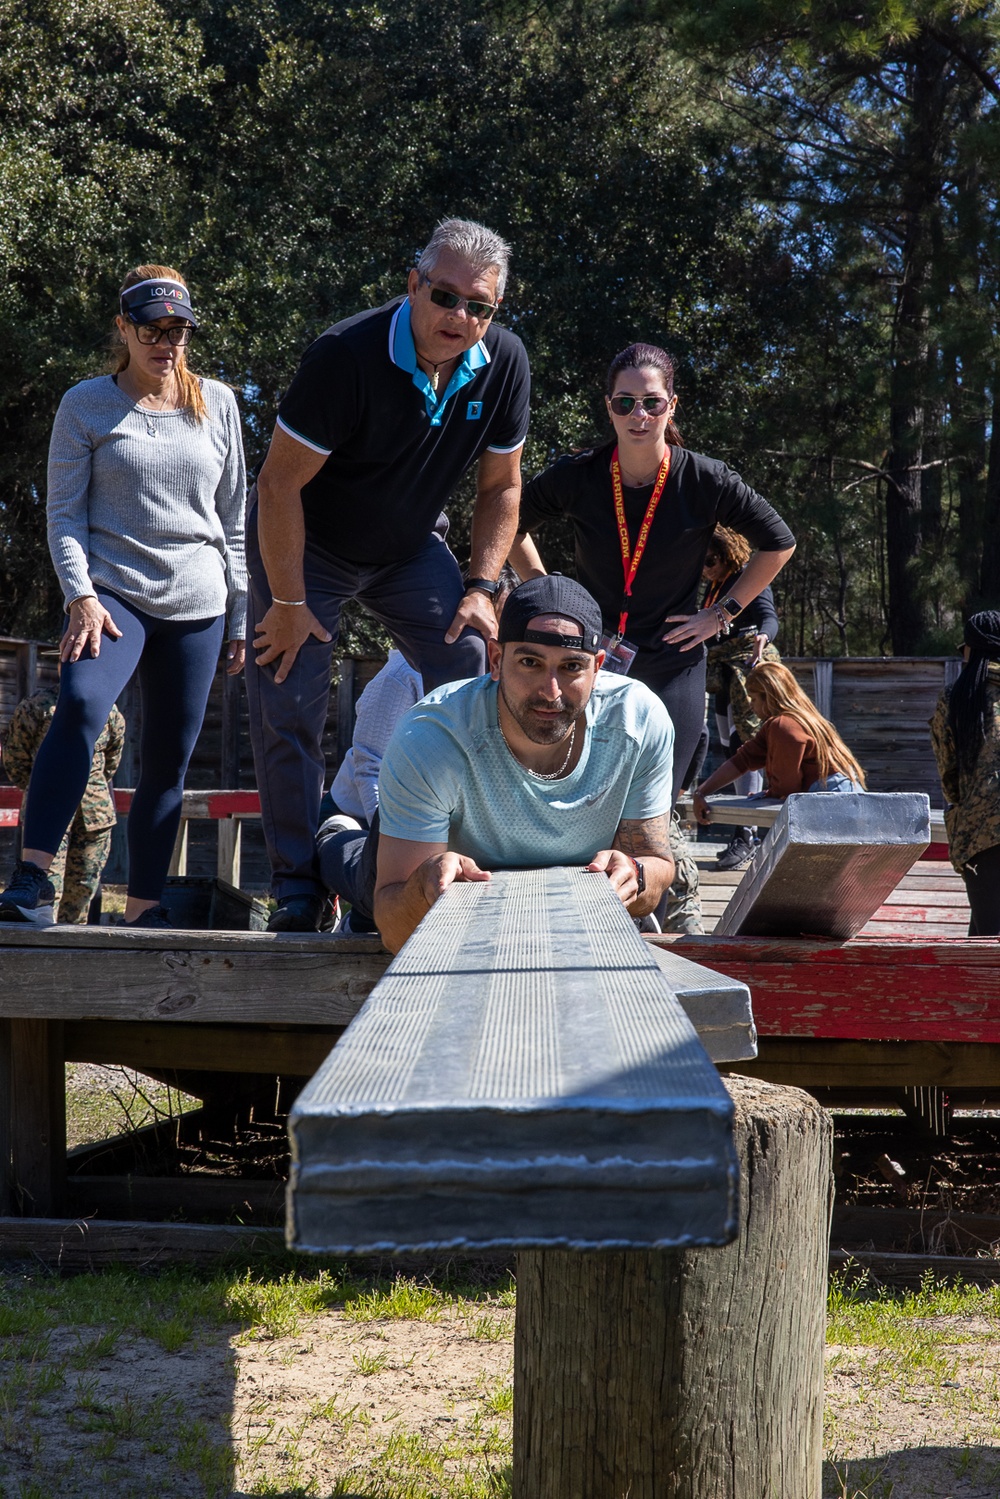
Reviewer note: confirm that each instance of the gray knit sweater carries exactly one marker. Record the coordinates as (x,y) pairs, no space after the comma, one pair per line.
(149,504)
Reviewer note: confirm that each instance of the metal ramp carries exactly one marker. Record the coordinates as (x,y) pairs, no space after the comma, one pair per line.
(522,1077)
(828,863)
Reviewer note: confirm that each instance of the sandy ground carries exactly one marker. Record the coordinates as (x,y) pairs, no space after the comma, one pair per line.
(386,1408)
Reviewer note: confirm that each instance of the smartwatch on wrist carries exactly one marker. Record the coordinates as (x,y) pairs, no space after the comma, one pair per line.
(489,586)
(640,875)
(731,607)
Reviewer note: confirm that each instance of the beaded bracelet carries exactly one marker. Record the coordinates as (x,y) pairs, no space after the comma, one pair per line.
(724,623)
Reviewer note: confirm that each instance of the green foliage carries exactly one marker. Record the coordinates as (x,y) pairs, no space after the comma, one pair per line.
(753,184)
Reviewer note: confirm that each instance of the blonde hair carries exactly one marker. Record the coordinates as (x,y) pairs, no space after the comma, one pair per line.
(192,396)
(782,694)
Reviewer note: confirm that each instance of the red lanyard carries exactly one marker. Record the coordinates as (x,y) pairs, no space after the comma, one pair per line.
(630,559)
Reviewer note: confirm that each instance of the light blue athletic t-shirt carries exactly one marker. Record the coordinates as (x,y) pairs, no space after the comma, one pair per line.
(448,777)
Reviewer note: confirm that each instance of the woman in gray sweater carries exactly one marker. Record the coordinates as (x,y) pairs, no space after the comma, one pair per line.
(146,492)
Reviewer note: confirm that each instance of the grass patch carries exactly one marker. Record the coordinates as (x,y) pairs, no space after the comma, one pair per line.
(402,1301)
(103,1102)
(866,1316)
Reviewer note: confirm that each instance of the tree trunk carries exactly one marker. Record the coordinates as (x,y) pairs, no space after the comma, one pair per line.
(909,617)
(990,579)
(684,1374)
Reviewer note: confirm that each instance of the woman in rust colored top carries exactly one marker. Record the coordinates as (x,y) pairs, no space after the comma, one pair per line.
(795,746)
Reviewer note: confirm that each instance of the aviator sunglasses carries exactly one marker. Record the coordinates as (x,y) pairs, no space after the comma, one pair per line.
(651,405)
(482,311)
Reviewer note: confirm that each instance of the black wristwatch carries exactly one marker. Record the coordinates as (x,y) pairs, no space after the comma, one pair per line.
(731,606)
(640,875)
(489,586)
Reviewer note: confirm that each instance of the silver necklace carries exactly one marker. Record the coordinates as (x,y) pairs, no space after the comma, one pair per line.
(540,775)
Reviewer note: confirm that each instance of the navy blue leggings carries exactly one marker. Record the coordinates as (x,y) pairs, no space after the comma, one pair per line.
(176,660)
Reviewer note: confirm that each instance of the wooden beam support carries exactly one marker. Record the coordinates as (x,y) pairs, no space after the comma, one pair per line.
(230,847)
(90,1245)
(37,1103)
(91,973)
(151,1198)
(215,1048)
(881,1067)
(871,989)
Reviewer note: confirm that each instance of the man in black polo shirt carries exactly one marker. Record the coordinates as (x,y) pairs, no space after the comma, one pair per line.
(387,411)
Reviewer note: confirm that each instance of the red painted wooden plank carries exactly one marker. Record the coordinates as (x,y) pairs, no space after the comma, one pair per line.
(10,796)
(207,804)
(928,911)
(882,929)
(867,989)
(941,892)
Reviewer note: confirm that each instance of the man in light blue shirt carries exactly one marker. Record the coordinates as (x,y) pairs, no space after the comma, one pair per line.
(547,761)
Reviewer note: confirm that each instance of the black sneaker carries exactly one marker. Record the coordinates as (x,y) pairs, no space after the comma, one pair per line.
(296,913)
(154,916)
(738,855)
(30,896)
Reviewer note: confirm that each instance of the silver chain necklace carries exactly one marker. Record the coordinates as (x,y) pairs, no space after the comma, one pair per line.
(539,775)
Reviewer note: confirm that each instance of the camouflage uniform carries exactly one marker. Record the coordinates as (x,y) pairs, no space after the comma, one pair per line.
(729,660)
(79,862)
(683,904)
(973,818)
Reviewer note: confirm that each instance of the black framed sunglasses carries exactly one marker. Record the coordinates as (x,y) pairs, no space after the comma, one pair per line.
(149,333)
(712,561)
(651,405)
(482,311)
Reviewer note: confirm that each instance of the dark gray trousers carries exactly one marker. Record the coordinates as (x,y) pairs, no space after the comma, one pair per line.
(416,601)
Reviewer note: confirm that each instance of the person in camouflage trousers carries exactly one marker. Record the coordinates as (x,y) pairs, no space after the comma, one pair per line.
(965,735)
(79,863)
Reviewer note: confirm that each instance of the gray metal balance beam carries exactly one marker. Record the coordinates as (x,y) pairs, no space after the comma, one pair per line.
(828,863)
(522,1077)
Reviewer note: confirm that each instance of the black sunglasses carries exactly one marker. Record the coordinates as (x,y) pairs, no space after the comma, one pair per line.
(482,311)
(651,405)
(149,333)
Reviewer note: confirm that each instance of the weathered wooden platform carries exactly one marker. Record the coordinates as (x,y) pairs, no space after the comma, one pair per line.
(908,1002)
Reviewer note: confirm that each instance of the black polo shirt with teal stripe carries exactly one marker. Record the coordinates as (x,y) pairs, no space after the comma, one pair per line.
(394,451)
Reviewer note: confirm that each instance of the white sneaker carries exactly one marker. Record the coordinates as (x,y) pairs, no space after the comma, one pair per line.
(338,823)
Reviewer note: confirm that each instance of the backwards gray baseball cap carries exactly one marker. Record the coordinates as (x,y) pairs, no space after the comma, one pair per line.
(553,594)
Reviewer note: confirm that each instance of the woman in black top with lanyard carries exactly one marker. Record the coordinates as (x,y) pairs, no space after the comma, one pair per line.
(643,510)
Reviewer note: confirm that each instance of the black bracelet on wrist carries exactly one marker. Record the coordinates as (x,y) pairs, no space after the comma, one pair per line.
(489,586)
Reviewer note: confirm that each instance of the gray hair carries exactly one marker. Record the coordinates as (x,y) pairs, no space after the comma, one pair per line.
(472,242)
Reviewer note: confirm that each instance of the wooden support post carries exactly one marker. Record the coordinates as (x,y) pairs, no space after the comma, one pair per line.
(823,686)
(179,857)
(679,1374)
(232,697)
(230,850)
(27,668)
(37,1116)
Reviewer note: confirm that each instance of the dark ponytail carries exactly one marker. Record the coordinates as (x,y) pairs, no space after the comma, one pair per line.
(646,357)
(968,703)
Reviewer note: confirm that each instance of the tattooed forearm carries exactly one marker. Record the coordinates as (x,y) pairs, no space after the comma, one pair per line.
(645,839)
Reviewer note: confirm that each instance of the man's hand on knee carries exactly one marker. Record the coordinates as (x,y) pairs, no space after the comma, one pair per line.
(476,609)
(282,633)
